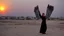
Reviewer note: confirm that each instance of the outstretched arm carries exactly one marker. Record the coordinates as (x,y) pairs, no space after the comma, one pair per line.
(40,15)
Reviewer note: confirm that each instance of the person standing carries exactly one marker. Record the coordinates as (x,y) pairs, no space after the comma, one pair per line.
(49,11)
(43,27)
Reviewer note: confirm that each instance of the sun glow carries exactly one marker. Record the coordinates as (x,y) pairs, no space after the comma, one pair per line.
(2,8)
(5,6)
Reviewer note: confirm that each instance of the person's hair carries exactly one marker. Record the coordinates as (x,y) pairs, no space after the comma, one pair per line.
(43,14)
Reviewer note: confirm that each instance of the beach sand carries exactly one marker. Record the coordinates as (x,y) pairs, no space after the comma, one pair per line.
(30,28)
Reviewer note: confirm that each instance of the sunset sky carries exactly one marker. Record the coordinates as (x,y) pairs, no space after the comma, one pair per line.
(26,7)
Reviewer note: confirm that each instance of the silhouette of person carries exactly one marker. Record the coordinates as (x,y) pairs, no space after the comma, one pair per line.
(43,27)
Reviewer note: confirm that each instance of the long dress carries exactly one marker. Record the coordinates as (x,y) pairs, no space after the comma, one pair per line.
(43,27)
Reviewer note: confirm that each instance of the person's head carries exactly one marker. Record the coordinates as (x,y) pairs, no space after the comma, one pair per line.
(43,14)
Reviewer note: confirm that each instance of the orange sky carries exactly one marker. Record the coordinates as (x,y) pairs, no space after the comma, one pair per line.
(26,7)
(6,4)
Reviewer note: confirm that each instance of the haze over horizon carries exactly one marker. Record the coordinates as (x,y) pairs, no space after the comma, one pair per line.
(26,7)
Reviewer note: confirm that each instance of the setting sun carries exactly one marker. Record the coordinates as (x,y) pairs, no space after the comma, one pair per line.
(2,8)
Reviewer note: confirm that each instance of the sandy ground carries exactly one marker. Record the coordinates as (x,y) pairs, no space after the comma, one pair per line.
(30,28)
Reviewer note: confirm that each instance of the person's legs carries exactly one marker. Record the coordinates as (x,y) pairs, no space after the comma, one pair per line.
(41,29)
(44,29)
(42,33)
